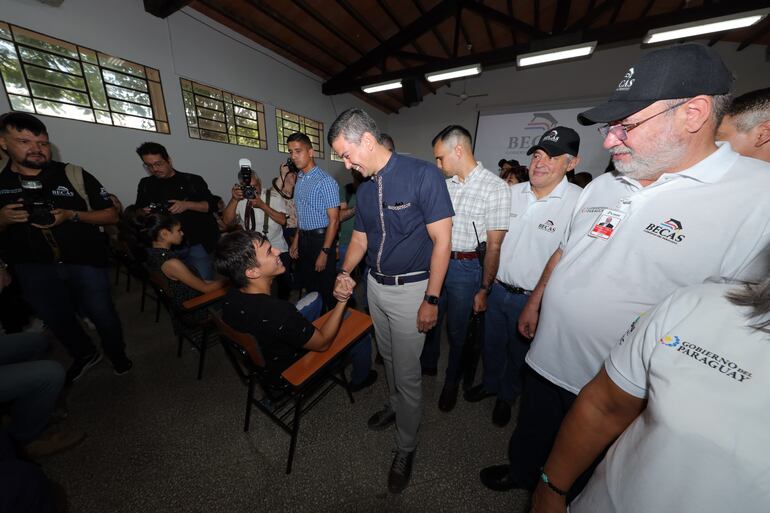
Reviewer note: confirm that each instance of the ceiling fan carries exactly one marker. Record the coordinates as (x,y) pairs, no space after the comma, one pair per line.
(462,97)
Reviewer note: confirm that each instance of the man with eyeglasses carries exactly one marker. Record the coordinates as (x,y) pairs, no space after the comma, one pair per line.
(187,197)
(683,209)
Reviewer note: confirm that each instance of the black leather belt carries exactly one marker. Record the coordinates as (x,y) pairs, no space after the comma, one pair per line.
(512,289)
(399,280)
(319,231)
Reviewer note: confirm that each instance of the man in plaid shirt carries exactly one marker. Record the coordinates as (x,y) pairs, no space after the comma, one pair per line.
(482,203)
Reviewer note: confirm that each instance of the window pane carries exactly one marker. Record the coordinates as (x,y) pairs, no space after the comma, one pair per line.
(23,103)
(116,63)
(5,31)
(103,117)
(163,127)
(134,122)
(158,103)
(194,132)
(124,80)
(189,109)
(248,132)
(49,60)
(208,103)
(207,91)
(44,42)
(128,95)
(96,86)
(130,108)
(249,123)
(245,113)
(153,74)
(55,78)
(214,136)
(10,67)
(211,114)
(57,93)
(63,110)
(245,141)
(88,56)
(212,125)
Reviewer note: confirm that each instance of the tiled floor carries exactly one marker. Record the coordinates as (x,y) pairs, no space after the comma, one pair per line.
(161,441)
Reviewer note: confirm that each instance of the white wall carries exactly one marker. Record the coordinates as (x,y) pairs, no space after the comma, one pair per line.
(189,45)
(567,85)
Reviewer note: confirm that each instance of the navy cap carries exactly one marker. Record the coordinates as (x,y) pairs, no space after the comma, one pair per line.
(681,71)
(558,141)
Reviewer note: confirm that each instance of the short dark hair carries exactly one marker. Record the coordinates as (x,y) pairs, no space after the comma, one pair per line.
(300,137)
(22,121)
(388,142)
(235,254)
(750,109)
(351,125)
(452,131)
(152,148)
(149,226)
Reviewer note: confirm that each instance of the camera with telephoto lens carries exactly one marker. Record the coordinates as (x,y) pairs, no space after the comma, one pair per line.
(35,203)
(292,167)
(159,207)
(244,177)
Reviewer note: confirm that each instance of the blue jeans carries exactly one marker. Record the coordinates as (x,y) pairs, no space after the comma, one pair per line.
(196,256)
(504,347)
(32,386)
(462,282)
(361,352)
(58,292)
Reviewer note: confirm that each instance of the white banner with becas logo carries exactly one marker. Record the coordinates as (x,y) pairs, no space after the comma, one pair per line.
(509,136)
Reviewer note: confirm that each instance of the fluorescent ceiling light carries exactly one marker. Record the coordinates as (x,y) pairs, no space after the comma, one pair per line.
(384,86)
(448,74)
(556,54)
(697,28)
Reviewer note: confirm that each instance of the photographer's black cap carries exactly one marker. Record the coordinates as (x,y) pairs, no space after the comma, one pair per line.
(681,71)
(558,141)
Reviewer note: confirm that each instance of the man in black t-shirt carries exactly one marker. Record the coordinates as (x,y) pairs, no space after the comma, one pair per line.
(56,248)
(250,263)
(185,195)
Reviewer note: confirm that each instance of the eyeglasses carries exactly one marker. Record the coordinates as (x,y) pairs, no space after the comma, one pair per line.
(621,129)
(155,165)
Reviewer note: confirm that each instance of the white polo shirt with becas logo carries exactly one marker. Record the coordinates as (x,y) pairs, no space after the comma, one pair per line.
(535,230)
(702,444)
(708,223)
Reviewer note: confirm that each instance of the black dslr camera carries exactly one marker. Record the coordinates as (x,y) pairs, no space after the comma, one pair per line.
(244,178)
(292,167)
(159,208)
(35,202)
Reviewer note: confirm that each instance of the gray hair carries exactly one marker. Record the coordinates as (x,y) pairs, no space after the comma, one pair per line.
(757,297)
(352,124)
(750,109)
(719,105)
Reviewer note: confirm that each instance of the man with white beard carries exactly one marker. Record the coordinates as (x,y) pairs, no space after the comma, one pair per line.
(679,210)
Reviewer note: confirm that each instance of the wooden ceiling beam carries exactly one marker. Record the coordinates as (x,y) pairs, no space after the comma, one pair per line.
(593,15)
(320,18)
(511,15)
(488,28)
(561,16)
(504,19)
(164,8)
(434,30)
(761,29)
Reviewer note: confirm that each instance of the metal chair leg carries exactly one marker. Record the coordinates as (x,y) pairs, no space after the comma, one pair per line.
(294,432)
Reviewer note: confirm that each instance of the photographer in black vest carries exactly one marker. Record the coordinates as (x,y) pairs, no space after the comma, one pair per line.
(50,213)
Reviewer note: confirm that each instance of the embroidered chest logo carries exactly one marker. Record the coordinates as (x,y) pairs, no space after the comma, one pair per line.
(627,82)
(547,226)
(62,191)
(670,230)
(717,363)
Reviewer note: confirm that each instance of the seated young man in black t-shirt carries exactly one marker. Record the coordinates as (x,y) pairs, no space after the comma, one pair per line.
(250,263)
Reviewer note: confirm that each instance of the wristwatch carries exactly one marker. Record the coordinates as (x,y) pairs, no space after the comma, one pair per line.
(75,217)
(431,300)
(328,251)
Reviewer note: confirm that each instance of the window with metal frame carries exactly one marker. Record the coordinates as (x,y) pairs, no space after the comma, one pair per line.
(220,116)
(48,76)
(287,123)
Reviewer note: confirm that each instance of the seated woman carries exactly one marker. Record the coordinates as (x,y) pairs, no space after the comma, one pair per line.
(161,232)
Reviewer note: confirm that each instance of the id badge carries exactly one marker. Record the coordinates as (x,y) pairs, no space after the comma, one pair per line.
(607,223)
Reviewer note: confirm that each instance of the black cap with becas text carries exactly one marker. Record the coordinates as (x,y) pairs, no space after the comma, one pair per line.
(558,141)
(681,71)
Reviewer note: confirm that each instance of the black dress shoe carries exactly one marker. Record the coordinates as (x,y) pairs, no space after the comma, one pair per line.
(369,381)
(400,471)
(382,419)
(499,479)
(476,394)
(448,398)
(501,415)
